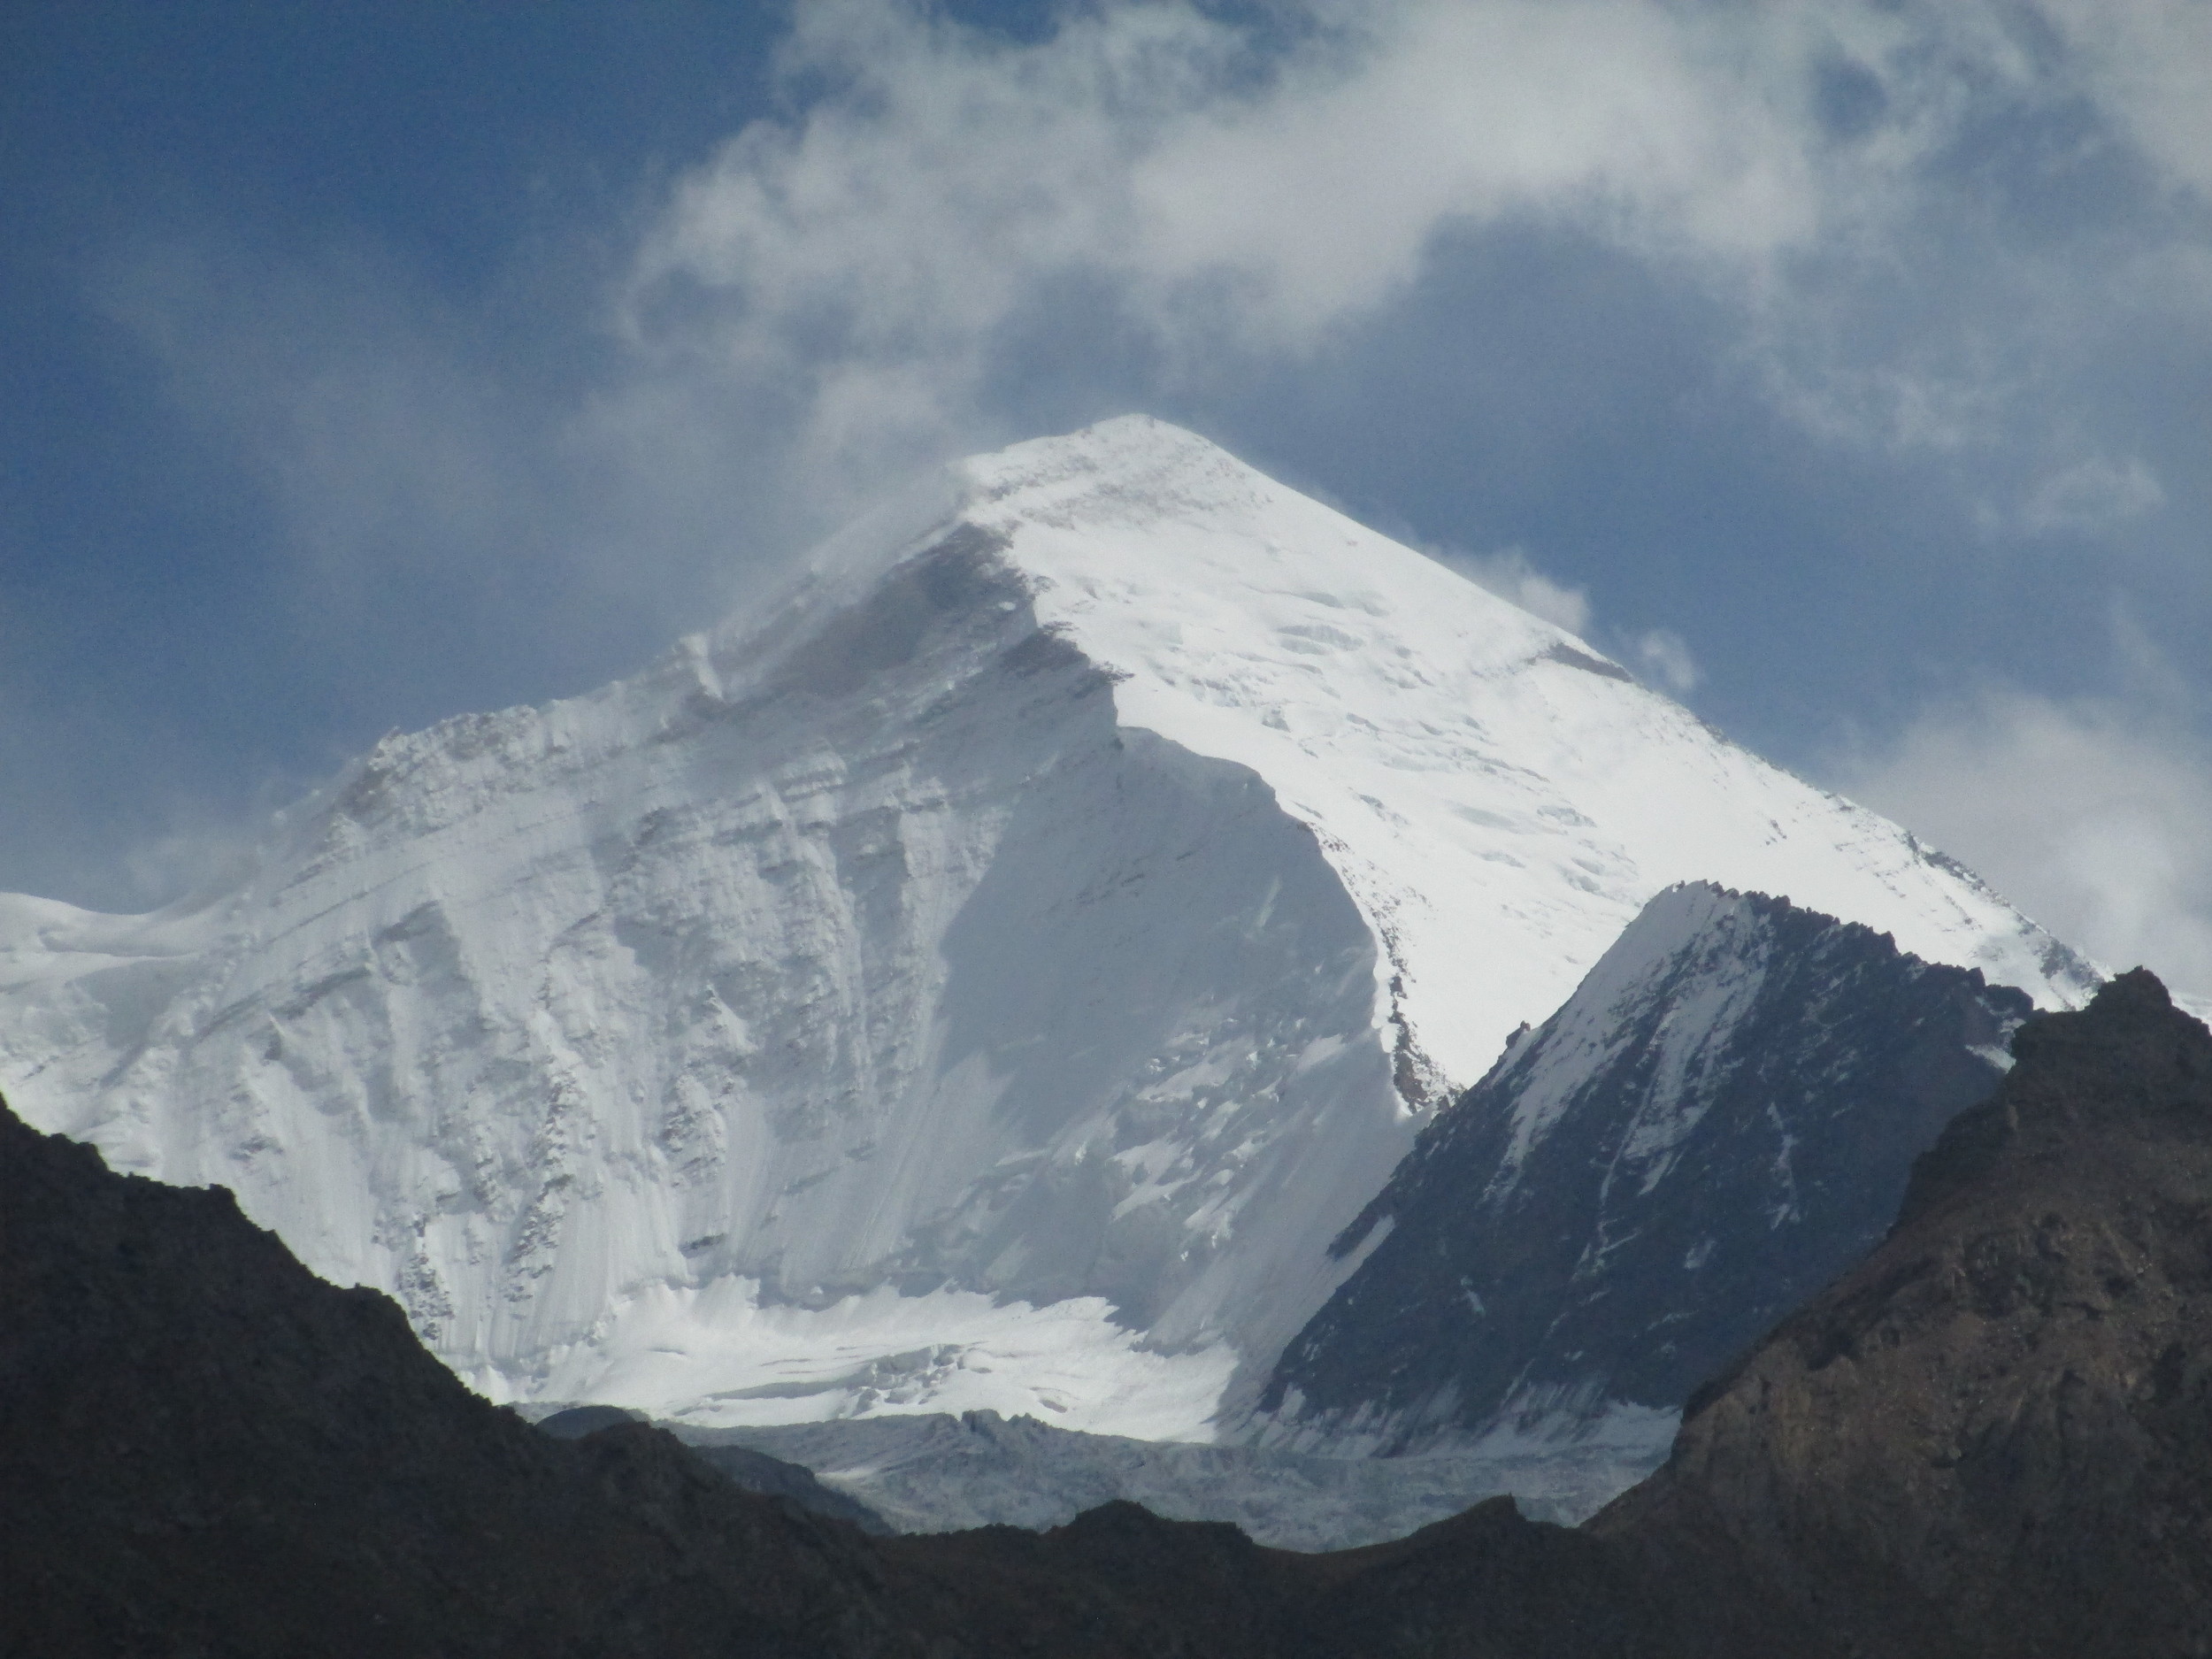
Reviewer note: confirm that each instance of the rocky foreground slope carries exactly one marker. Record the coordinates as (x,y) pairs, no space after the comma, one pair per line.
(1993,1437)
(1719,1121)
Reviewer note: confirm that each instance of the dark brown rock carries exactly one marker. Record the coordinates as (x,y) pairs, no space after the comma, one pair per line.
(1994,1436)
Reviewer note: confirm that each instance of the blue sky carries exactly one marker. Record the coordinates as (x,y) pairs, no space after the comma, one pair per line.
(1847,368)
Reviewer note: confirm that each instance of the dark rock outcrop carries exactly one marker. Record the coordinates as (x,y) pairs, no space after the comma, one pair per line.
(1994,1435)
(741,1465)
(206,1450)
(1720,1121)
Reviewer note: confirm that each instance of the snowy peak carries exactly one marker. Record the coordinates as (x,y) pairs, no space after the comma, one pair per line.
(1722,1118)
(985,977)
(1459,758)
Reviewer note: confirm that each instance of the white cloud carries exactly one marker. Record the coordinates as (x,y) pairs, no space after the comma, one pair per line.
(866,257)
(2146,63)
(1509,575)
(1664,657)
(2090,817)
(1321,197)
(865,262)
(2091,495)
(1660,656)
(845,290)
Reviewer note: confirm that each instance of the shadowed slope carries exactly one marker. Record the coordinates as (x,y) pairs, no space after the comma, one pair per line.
(1994,1436)
(1721,1120)
(207,1450)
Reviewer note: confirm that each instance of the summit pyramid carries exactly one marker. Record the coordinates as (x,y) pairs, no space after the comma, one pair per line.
(988,974)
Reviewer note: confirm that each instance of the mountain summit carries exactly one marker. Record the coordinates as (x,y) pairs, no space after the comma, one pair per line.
(989,976)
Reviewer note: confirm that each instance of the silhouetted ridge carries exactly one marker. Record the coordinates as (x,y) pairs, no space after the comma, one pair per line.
(745,1466)
(207,1450)
(1994,1437)
(2083,1071)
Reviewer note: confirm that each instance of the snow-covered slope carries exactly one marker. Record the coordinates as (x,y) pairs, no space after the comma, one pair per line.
(1720,1121)
(986,978)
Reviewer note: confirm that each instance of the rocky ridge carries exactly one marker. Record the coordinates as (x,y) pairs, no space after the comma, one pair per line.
(1993,1436)
(1719,1120)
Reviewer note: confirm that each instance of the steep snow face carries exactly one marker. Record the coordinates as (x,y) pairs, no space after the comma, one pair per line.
(1721,1120)
(775,1034)
(1499,799)
(1062,899)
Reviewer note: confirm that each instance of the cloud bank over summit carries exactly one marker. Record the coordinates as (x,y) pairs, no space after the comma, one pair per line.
(2099,812)
(879,253)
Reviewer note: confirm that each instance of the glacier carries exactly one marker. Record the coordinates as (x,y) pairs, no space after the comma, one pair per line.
(1721,1120)
(925,1473)
(985,977)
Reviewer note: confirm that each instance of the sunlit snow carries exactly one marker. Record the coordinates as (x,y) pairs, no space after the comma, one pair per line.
(714,1356)
(989,975)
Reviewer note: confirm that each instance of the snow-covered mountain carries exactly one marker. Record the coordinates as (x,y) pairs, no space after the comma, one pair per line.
(1720,1121)
(986,977)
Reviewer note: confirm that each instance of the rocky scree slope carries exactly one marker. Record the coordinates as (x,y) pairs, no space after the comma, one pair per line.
(1720,1121)
(984,976)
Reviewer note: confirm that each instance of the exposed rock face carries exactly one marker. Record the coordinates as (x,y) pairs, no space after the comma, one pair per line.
(1720,1121)
(1994,1435)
